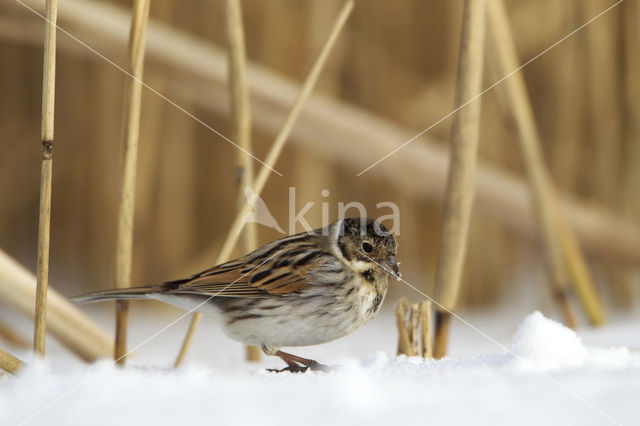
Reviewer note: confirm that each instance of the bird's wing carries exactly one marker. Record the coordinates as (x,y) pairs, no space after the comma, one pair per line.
(265,272)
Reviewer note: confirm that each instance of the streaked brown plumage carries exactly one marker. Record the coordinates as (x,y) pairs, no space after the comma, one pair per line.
(301,290)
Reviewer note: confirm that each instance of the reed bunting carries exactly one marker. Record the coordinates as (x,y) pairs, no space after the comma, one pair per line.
(300,290)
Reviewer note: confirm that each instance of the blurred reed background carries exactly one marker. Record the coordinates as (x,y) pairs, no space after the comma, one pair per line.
(395,61)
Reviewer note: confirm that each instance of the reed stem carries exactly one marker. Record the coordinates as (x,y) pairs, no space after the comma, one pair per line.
(131,129)
(460,183)
(241,117)
(9,363)
(44,217)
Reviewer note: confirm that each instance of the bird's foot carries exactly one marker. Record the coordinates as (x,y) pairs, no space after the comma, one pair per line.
(293,368)
(296,364)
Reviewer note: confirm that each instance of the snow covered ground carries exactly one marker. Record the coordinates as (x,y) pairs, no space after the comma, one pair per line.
(542,374)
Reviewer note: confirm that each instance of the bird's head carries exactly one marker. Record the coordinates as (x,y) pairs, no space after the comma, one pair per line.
(366,242)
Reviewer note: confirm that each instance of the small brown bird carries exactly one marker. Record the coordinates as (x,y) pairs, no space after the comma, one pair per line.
(301,290)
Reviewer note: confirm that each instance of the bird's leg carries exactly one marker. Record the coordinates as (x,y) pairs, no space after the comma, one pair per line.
(294,361)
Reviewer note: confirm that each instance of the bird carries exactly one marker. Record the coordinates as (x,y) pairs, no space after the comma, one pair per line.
(305,289)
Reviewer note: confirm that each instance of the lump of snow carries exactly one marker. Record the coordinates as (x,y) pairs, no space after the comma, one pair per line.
(541,344)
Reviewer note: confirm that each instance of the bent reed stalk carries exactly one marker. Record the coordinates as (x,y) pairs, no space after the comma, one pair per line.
(10,363)
(565,260)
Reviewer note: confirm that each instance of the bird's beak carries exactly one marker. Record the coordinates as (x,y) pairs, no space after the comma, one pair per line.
(393,265)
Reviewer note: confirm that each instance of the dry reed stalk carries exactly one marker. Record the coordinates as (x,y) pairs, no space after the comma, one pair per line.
(131,128)
(580,273)
(44,221)
(9,363)
(414,330)
(72,327)
(164,187)
(200,72)
(155,160)
(404,347)
(561,246)
(460,183)
(425,327)
(504,56)
(272,157)
(241,118)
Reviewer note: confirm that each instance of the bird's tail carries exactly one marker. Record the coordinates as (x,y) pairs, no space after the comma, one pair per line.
(117,294)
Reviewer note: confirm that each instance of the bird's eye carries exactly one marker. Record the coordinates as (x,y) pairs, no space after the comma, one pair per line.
(368,248)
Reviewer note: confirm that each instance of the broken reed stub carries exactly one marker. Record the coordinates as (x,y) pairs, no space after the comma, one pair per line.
(425,327)
(414,328)
(403,334)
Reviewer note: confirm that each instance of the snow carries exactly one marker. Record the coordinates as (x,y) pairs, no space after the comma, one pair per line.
(546,374)
(544,344)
